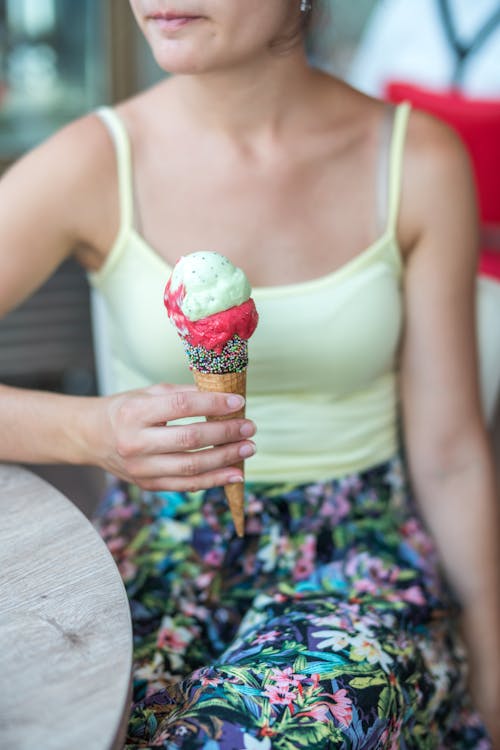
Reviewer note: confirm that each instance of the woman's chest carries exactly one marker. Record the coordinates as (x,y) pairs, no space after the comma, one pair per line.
(291,224)
(335,334)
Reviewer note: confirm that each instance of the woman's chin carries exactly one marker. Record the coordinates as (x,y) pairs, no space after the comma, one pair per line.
(180,62)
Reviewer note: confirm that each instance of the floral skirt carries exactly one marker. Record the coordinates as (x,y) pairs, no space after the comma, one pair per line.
(327,626)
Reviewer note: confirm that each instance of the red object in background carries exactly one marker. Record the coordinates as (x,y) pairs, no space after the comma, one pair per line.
(477,121)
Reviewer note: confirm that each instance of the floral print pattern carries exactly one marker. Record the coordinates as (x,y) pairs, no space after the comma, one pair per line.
(327,626)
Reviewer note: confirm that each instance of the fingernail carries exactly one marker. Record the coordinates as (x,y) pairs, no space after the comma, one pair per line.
(235,402)
(247,450)
(247,429)
(235,480)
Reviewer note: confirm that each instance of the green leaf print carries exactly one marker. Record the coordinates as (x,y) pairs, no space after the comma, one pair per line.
(244,676)
(364,682)
(300,663)
(222,708)
(140,538)
(313,734)
(151,723)
(385,703)
(339,536)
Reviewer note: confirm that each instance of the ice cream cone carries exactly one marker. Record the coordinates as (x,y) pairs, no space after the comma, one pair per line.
(208,299)
(229,382)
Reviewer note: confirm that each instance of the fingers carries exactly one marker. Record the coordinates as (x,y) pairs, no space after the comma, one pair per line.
(192,469)
(192,484)
(162,389)
(199,462)
(196,435)
(155,455)
(185,403)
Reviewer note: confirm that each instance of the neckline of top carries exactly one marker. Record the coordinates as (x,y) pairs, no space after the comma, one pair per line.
(299,286)
(127,229)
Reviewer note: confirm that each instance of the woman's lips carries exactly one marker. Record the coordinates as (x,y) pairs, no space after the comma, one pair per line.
(172,22)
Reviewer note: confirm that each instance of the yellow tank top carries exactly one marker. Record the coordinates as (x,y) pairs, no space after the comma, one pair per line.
(325,404)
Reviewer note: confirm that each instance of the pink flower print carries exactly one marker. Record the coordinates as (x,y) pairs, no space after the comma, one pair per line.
(279,696)
(163,736)
(304,565)
(351,483)
(336,508)
(193,610)
(354,564)
(211,681)
(122,512)
(254,505)
(211,519)
(279,598)
(309,546)
(319,712)
(392,734)
(207,676)
(413,595)
(214,557)
(314,681)
(204,580)
(286,677)
(341,708)
(116,544)
(418,538)
(365,586)
(303,569)
(410,527)
(173,637)
(266,637)
(379,572)
(253,525)
(127,570)
(111,529)
(285,688)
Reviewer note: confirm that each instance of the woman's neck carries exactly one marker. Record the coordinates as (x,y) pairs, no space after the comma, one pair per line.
(250,99)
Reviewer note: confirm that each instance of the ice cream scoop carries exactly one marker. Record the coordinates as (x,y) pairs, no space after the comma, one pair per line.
(208,300)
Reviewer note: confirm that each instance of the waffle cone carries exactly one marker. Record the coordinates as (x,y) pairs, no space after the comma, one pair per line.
(229,382)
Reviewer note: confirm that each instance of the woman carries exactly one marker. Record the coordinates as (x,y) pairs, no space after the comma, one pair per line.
(329,624)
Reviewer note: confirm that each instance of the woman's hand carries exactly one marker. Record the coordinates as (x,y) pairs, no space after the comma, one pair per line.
(136,441)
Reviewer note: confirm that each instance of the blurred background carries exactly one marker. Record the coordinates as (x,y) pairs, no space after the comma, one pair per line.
(58,60)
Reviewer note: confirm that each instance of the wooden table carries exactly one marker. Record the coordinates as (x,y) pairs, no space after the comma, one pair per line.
(65,631)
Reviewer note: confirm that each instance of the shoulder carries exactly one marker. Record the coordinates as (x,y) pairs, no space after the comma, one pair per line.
(437,178)
(433,144)
(69,178)
(78,151)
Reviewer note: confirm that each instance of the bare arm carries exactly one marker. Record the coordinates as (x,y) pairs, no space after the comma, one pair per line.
(58,200)
(449,455)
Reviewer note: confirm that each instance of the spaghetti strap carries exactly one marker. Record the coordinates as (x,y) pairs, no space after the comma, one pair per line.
(396,158)
(383,164)
(121,141)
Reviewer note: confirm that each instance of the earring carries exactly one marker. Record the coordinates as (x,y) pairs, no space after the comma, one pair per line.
(305,6)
